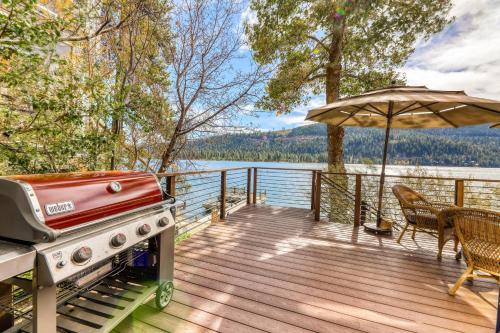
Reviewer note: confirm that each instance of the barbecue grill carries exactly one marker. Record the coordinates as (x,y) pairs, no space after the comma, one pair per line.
(95,246)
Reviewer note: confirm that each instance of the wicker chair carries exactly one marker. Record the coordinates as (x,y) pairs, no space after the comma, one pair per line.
(422,215)
(479,233)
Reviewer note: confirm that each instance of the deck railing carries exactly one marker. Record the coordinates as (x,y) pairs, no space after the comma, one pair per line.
(359,193)
(210,195)
(286,187)
(206,196)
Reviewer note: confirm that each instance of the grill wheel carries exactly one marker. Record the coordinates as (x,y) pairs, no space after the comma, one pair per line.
(164,294)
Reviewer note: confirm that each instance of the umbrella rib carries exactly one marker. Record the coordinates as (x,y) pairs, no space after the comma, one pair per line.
(348,117)
(319,114)
(405,110)
(368,110)
(482,108)
(439,115)
(380,112)
(355,106)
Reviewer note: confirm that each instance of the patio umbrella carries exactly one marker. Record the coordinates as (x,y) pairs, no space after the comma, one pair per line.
(406,107)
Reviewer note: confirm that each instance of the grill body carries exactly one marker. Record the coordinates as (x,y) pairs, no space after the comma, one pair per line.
(41,207)
(100,240)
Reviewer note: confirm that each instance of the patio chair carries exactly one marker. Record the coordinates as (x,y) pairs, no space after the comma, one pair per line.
(479,233)
(422,215)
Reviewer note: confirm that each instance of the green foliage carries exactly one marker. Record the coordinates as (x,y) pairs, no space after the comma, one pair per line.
(182,237)
(38,109)
(468,146)
(23,33)
(365,42)
(57,109)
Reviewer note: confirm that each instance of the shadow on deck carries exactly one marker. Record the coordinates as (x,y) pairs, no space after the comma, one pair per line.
(274,269)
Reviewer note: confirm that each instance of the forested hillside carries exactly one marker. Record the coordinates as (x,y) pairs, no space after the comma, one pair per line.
(471,146)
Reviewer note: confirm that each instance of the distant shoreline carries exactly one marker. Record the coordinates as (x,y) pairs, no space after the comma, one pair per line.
(474,146)
(443,171)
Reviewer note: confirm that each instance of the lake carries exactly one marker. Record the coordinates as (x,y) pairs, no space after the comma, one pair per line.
(198,191)
(442,171)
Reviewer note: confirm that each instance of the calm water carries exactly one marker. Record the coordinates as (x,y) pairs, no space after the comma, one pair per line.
(458,172)
(200,190)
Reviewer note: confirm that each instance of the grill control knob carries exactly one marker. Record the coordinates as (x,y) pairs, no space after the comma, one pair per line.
(144,229)
(163,222)
(118,240)
(61,264)
(82,255)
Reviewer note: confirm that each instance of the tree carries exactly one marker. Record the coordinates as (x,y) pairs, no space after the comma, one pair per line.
(337,48)
(209,87)
(100,104)
(120,41)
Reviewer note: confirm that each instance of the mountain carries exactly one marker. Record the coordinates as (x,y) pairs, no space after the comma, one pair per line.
(468,146)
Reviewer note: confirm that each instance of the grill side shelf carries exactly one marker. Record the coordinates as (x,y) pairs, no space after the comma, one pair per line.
(15,259)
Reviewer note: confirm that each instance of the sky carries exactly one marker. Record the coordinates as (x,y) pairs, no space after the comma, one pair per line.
(464,56)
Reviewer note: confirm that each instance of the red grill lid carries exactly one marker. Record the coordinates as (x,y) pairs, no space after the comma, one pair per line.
(71,199)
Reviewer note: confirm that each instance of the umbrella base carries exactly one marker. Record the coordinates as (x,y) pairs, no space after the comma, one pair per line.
(381,230)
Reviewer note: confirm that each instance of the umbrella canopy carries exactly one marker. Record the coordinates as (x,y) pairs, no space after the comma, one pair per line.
(406,107)
(413,107)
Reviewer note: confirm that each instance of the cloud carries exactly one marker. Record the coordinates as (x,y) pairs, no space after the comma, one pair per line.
(294,120)
(313,103)
(465,56)
(248,16)
(298,115)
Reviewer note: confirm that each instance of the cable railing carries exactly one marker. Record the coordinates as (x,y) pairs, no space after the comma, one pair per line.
(361,208)
(351,198)
(206,196)
(285,187)
(209,195)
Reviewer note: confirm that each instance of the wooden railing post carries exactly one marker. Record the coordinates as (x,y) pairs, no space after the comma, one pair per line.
(249,184)
(459,192)
(364,208)
(317,196)
(357,202)
(313,189)
(171,185)
(223,179)
(254,186)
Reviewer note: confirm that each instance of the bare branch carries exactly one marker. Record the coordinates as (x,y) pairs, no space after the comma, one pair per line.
(319,42)
(98,32)
(208,88)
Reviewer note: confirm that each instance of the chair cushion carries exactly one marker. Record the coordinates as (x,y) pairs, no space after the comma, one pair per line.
(429,220)
(484,254)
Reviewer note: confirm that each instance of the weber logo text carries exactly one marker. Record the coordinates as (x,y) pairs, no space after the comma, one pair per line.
(59,207)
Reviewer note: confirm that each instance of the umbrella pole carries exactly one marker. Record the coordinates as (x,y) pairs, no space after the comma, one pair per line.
(378,229)
(382,174)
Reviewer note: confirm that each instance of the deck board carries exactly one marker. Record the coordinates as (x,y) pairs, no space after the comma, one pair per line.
(275,269)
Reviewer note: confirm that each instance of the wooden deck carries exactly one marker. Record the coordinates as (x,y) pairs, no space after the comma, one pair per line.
(273,269)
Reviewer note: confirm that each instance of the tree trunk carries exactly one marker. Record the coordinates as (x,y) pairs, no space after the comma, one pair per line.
(115,122)
(165,158)
(115,130)
(167,154)
(335,149)
(338,210)
(335,134)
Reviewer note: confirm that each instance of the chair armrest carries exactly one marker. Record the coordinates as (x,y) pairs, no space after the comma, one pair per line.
(440,206)
(433,208)
(425,207)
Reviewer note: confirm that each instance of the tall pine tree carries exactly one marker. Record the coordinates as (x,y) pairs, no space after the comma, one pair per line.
(337,48)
